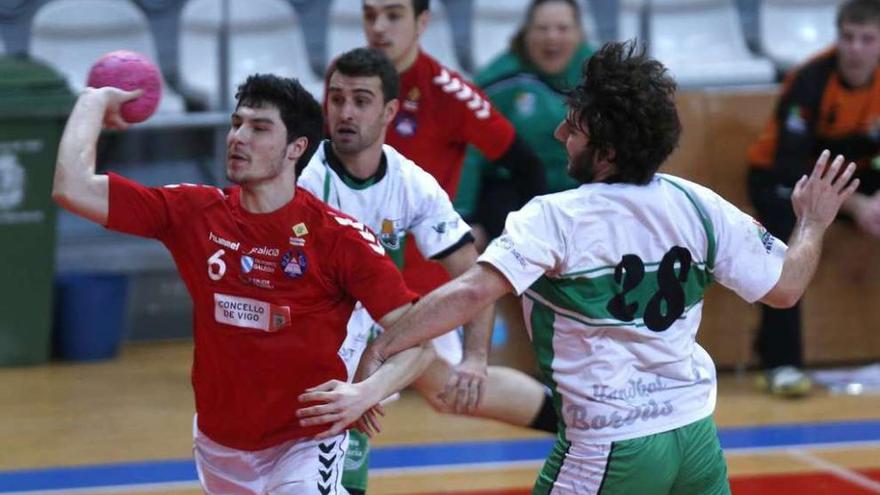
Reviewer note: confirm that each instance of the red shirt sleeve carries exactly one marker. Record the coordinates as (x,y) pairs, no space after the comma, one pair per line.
(367,273)
(137,209)
(480,124)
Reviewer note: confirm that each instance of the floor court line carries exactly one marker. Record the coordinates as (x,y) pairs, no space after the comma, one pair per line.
(437,457)
(837,470)
(115,489)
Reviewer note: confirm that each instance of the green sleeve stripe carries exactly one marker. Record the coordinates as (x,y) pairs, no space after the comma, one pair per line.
(704,219)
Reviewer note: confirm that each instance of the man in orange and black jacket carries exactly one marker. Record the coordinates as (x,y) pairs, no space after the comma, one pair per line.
(831,102)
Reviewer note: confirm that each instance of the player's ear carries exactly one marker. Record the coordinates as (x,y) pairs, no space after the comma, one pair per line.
(422,21)
(390,110)
(605,160)
(296,148)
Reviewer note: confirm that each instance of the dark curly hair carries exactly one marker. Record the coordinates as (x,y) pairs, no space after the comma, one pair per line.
(625,103)
(300,112)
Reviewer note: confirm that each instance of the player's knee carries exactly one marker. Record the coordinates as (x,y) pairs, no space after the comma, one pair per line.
(439,405)
(430,386)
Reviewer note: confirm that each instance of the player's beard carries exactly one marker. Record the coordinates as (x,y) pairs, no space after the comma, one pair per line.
(582,167)
(252,176)
(366,136)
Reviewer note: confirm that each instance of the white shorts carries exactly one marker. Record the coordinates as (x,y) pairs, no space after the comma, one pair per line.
(301,467)
(361,326)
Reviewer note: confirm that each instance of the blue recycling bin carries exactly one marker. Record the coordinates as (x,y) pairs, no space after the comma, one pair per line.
(89,316)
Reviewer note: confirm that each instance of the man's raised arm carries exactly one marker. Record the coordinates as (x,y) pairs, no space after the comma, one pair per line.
(76,186)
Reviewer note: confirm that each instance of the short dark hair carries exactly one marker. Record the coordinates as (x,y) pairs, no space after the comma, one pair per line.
(859,12)
(300,112)
(367,62)
(420,6)
(625,102)
(518,41)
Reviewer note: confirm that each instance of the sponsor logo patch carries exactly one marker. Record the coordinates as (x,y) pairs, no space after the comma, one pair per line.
(442,227)
(249,264)
(245,312)
(505,243)
(257,282)
(265,251)
(765,236)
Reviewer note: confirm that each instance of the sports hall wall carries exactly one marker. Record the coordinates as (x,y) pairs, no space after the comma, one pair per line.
(722,111)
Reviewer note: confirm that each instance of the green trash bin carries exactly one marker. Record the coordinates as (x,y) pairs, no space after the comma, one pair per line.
(34,104)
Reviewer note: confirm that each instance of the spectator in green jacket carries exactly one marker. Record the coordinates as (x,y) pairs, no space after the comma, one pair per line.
(527,84)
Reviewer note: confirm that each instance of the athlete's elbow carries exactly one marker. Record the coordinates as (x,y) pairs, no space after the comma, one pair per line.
(782,299)
(61,184)
(60,193)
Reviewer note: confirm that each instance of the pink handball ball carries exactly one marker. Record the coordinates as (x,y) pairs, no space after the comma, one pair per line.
(129,71)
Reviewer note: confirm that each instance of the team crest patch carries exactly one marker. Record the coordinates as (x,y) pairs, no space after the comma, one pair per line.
(411,103)
(300,230)
(525,103)
(247,264)
(796,121)
(406,124)
(390,234)
(294,264)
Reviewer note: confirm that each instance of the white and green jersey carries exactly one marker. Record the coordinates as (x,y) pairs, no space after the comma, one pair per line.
(400,199)
(612,278)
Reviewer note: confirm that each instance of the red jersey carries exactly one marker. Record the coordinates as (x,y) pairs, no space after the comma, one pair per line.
(440,114)
(272,294)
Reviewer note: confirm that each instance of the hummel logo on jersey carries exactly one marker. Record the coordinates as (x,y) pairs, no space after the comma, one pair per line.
(187,184)
(463,92)
(326,460)
(223,242)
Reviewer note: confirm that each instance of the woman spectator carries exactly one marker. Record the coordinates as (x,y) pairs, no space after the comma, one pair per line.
(527,84)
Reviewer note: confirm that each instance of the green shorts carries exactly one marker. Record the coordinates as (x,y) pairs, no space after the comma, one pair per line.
(354,474)
(684,461)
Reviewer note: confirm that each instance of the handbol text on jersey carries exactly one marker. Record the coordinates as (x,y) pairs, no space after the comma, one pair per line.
(632,390)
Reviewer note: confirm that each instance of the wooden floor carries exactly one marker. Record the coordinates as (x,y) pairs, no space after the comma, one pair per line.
(138,408)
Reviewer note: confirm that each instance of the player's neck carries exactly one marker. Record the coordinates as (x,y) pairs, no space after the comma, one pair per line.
(267,196)
(363,164)
(407,60)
